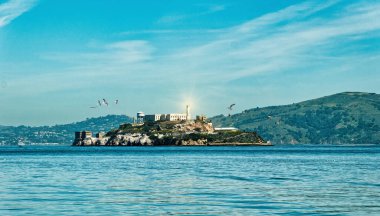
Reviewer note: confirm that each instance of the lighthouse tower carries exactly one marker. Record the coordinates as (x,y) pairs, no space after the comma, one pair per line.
(188,117)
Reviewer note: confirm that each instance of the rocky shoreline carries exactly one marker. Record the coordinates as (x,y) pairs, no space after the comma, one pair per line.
(145,140)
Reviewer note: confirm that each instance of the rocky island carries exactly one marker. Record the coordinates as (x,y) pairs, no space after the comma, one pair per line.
(198,132)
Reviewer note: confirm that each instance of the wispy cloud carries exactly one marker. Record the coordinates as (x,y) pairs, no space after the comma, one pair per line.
(174,18)
(167,19)
(12,9)
(117,54)
(299,39)
(173,32)
(282,40)
(217,8)
(276,42)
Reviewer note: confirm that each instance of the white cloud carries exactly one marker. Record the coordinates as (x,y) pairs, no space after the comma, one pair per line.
(12,9)
(281,41)
(118,54)
(290,39)
(173,32)
(298,39)
(216,8)
(168,19)
(174,18)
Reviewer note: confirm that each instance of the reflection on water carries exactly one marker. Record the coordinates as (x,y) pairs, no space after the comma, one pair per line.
(289,180)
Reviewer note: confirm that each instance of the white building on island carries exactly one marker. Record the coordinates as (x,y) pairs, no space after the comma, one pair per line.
(169,117)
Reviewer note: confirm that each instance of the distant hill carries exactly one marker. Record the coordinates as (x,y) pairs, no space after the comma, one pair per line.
(349,117)
(58,134)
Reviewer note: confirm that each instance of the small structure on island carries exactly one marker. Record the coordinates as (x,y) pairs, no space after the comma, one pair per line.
(188,117)
(169,117)
(100,135)
(140,117)
(225,129)
(80,135)
(201,118)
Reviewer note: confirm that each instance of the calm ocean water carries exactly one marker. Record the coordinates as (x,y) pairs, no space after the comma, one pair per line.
(278,180)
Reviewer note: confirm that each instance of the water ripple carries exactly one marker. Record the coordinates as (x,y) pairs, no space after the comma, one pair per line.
(280,180)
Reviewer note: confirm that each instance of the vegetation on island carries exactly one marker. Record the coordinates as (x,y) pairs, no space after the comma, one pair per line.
(177,133)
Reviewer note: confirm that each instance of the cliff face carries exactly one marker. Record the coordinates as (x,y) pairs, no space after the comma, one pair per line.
(119,139)
(171,133)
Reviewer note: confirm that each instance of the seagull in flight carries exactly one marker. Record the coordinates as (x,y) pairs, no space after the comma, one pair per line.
(230,107)
(105,102)
(116,101)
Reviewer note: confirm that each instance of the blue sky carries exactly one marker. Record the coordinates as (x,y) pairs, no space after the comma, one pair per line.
(57,58)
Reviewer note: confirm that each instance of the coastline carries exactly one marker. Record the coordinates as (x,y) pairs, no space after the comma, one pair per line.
(205,145)
(240,144)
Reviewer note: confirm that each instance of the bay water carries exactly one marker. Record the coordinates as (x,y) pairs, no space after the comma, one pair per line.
(247,180)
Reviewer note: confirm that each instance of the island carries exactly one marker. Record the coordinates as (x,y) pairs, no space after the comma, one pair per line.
(169,130)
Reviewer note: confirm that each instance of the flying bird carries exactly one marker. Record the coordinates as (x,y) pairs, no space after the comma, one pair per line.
(116,101)
(93,107)
(230,107)
(105,102)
